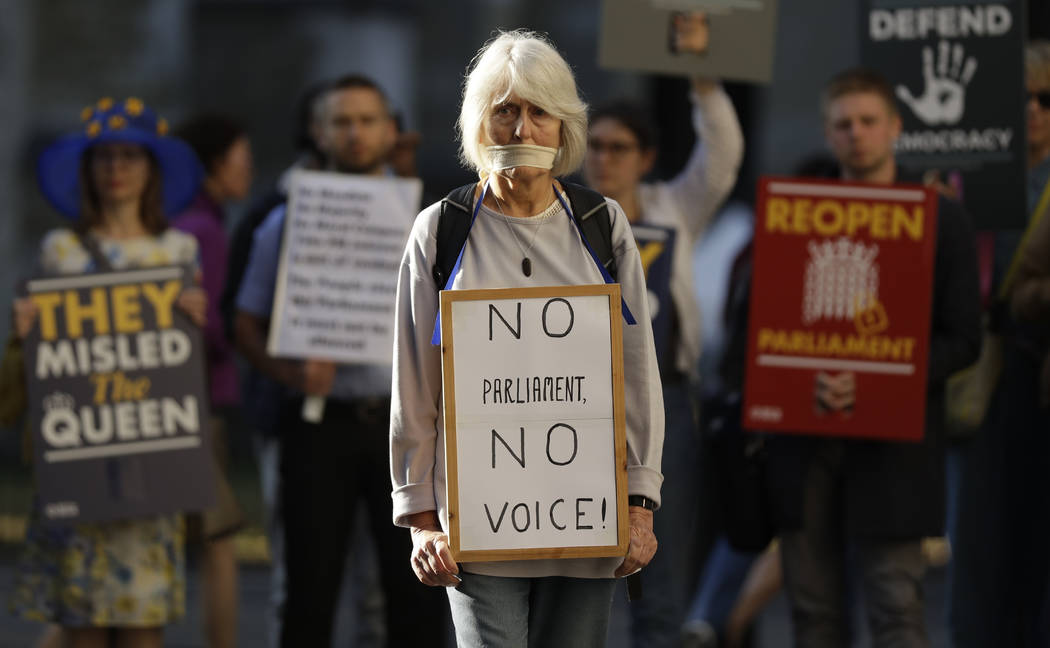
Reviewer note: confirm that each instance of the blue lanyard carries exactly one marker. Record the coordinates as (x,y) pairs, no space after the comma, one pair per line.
(627,315)
(436,337)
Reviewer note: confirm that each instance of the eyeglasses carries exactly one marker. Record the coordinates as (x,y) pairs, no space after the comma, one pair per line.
(1043,97)
(123,155)
(615,149)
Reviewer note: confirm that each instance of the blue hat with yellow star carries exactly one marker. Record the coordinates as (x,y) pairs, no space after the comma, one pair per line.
(58,168)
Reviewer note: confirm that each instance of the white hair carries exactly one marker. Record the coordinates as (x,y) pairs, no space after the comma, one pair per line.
(525,63)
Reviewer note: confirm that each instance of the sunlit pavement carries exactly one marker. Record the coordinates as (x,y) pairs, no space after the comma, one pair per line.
(772,631)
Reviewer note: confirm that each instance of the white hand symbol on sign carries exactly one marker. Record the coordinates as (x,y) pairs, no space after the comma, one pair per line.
(943,100)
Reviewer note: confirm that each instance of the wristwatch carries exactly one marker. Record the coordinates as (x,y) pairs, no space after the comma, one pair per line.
(641,500)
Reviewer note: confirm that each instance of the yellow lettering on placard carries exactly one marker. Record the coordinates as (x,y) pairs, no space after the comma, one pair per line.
(828,218)
(117,387)
(835,345)
(777,210)
(127,309)
(834,218)
(163,300)
(46,304)
(911,222)
(800,215)
(857,216)
(95,311)
(99,381)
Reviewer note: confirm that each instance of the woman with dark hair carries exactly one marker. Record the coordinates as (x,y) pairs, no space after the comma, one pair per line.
(667,219)
(116,179)
(223,148)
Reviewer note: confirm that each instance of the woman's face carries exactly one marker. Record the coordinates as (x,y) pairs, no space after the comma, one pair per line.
(120,171)
(517,121)
(233,173)
(615,162)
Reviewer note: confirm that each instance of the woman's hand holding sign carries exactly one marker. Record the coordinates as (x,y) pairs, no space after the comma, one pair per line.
(194,302)
(643,542)
(431,558)
(25,312)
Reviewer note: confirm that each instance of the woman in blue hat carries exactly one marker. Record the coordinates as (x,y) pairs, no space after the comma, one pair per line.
(117,180)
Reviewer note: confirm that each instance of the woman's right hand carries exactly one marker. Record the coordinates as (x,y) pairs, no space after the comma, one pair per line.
(25,313)
(431,557)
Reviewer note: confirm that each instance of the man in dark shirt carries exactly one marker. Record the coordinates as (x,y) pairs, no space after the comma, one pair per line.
(875,499)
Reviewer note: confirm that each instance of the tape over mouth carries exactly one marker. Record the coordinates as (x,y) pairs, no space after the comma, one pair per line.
(515,155)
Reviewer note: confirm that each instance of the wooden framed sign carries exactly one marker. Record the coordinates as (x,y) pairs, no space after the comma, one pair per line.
(535,445)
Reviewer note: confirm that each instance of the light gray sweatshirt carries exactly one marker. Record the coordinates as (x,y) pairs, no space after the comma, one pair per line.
(690,200)
(492,259)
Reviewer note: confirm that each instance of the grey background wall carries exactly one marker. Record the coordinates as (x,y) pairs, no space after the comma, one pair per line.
(252,58)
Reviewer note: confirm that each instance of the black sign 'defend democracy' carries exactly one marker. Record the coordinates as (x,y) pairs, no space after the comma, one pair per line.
(957,73)
(116,394)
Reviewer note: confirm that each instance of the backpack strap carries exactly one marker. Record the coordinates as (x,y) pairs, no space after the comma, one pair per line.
(591,212)
(453,227)
(589,209)
(594,215)
(457,215)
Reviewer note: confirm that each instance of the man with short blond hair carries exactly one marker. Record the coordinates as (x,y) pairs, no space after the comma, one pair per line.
(874,501)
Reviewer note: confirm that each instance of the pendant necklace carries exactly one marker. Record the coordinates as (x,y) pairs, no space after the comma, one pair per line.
(526,262)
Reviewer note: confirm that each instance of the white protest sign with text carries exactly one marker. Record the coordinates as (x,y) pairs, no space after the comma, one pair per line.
(534,423)
(337,281)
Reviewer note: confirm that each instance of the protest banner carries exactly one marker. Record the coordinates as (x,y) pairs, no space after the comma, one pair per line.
(840,309)
(535,445)
(337,278)
(117,397)
(958,72)
(636,35)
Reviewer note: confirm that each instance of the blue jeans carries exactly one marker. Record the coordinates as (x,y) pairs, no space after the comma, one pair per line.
(530,612)
(656,619)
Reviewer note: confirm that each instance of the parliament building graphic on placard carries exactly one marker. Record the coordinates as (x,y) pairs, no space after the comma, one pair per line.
(842,279)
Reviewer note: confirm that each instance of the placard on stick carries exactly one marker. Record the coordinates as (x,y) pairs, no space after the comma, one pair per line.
(117,397)
(535,444)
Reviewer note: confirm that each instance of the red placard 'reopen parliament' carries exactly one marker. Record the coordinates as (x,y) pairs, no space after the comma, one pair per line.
(839,327)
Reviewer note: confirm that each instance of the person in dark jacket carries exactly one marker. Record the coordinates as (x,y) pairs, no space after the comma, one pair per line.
(872,500)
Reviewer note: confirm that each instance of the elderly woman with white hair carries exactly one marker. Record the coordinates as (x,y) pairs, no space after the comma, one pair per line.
(522,124)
